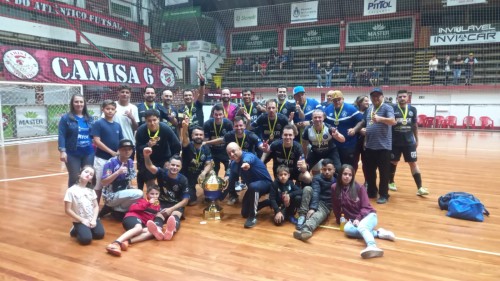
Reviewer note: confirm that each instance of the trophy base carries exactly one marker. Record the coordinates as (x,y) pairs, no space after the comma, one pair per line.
(213,212)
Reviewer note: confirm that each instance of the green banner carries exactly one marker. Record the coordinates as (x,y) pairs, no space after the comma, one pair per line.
(8,121)
(54,115)
(182,13)
(251,41)
(323,35)
(380,32)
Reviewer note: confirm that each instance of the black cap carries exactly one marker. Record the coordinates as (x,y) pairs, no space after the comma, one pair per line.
(125,143)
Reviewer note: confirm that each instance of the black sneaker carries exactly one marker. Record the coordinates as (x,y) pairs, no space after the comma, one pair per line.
(250,222)
(104,211)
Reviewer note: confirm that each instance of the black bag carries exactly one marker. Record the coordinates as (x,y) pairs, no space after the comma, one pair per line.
(444,200)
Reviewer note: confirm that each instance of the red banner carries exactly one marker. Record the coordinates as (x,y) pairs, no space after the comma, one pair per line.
(25,64)
(64,10)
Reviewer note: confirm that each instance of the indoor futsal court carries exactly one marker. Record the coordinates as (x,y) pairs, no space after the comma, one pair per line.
(35,242)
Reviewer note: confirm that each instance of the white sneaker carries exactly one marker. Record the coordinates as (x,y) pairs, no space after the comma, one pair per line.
(386,234)
(371,252)
(422,191)
(393,187)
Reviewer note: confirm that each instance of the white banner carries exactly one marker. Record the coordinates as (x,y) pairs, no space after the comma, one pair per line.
(379,7)
(464,2)
(166,47)
(468,34)
(304,12)
(31,121)
(245,17)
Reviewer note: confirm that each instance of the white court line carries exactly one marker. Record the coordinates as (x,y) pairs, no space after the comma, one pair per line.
(432,244)
(33,177)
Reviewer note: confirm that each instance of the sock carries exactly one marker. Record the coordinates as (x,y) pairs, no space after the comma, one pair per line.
(393,173)
(418,179)
(177,223)
(159,221)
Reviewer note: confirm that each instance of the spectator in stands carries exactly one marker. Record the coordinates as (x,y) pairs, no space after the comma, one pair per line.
(336,68)
(247,64)
(457,69)
(312,66)
(386,72)
(263,68)
(351,75)
(328,74)
(317,71)
(283,60)
(433,67)
(374,77)
(469,63)
(364,78)
(74,140)
(238,64)
(291,56)
(447,69)
(256,64)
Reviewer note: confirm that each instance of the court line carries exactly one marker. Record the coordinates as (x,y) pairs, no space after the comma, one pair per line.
(34,177)
(432,244)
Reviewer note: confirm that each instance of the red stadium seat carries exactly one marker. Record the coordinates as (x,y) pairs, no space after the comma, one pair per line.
(421,120)
(451,121)
(429,122)
(440,122)
(486,122)
(469,122)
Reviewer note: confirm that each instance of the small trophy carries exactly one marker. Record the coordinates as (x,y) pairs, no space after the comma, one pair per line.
(212,188)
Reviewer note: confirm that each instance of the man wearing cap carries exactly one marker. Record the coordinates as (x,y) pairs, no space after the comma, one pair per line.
(378,120)
(117,175)
(344,116)
(284,107)
(469,64)
(304,108)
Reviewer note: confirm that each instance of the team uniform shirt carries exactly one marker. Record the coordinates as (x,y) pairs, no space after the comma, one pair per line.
(308,107)
(230,110)
(250,142)
(83,141)
(257,171)
(122,181)
(168,112)
(402,134)
(143,210)
(378,135)
(278,190)
(110,134)
(81,199)
(285,156)
(167,146)
(172,190)
(343,119)
(195,113)
(122,119)
(321,142)
(253,110)
(194,160)
(214,131)
(143,107)
(286,108)
(264,125)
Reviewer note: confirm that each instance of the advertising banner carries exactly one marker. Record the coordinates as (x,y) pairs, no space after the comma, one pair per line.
(245,17)
(464,2)
(380,32)
(314,36)
(182,13)
(31,121)
(25,64)
(304,12)
(254,41)
(465,34)
(379,7)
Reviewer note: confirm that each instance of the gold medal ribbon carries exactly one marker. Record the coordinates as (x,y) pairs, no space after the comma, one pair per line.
(337,115)
(251,107)
(319,136)
(220,129)
(155,135)
(242,142)
(376,110)
(404,113)
(271,130)
(147,108)
(289,153)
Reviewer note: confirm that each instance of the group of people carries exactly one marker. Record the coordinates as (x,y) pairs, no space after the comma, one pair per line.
(315,149)
(273,60)
(453,67)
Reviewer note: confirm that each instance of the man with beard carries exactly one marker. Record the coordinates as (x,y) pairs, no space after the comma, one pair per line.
(193,105)
(289,153)
(215,128)
(170,114)
(284,107)
(149,103)
(160,138)
(196,159)
(269,124)
(250,110)
(303,110)
(230,108)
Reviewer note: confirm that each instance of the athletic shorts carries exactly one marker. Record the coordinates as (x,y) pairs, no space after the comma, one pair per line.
(164,205)
(130,222)
(409,153)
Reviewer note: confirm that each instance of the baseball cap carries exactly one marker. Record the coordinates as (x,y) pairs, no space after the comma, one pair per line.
(338,95)
(298,90)
(471,54)
(376,90)
(125,143)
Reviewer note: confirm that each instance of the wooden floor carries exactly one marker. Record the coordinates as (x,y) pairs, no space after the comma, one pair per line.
(35,244)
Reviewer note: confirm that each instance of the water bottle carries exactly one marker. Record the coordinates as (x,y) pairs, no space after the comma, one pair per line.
(342,222)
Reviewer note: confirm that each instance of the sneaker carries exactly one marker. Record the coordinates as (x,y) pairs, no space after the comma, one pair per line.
(303,234)
(232,200)
(72,231)
(371,252)
(386,234)
(238,186)
(250,222)
(300,222)
(155,230)
(293,220)
(422,191)
(392,186)
(104,211)
(382,200)
(169,232)
(114,249)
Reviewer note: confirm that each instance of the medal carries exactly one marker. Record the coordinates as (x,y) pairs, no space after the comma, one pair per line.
(371,122)
(271,137)
(336,122)
(337,115)
(404,113)
(404,122)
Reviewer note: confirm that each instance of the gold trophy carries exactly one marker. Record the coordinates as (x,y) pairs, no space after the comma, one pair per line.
(212,188)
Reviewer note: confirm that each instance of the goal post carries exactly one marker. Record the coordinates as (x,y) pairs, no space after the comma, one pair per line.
(33,110)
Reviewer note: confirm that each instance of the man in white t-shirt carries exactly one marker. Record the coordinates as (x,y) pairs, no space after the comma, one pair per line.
(126,114)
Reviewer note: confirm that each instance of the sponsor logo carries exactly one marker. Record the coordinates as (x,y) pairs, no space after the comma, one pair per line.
(31,119)
(167,77)
(379,32)
(379,4)
(312,36)
(462,34)
(21,64)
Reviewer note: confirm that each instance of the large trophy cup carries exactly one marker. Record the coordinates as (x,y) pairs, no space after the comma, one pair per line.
(212,188)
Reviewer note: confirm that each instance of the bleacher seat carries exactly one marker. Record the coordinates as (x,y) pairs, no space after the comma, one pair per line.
(451,121)
(486,122)
(439,122)
(421,120)
(469,122)
(429,122)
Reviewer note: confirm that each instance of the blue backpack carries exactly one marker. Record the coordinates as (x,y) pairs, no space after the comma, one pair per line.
(462,205)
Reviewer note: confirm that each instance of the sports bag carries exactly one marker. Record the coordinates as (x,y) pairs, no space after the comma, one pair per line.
(444,200)
(466,208)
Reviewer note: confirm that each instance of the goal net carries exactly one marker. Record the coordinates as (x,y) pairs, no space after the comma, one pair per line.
(33,110)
